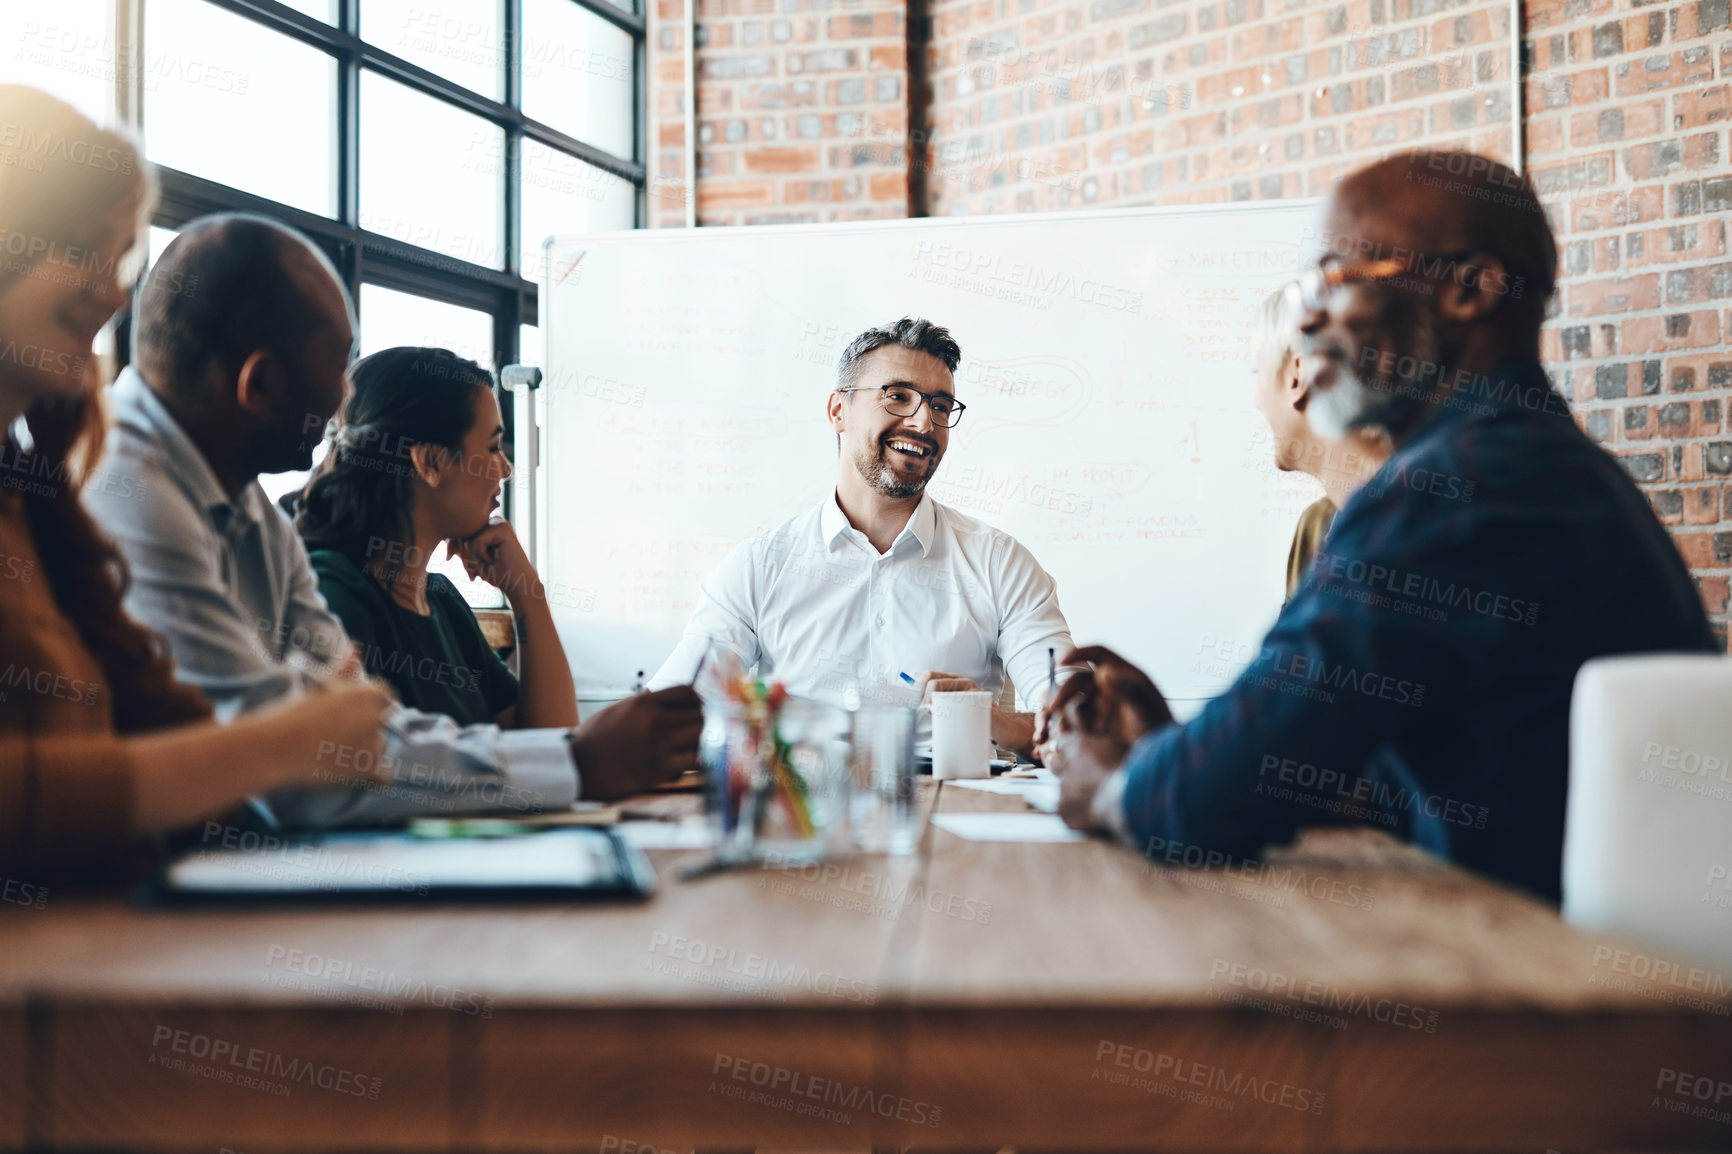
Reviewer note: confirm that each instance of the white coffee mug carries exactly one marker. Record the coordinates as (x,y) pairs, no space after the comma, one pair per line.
(962,734)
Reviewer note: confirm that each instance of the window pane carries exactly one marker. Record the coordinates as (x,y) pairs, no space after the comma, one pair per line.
(562,195)
(325,10)
(457,39)
(577,74)
(390,318)
(530,349)
(227,99)
(158,239)
(67,49)
(431,174)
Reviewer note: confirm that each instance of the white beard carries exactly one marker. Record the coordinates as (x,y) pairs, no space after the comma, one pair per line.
(1350,403)
(1334,412)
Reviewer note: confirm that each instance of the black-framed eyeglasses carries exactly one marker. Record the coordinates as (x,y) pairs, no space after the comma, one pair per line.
(1311,292)
(905,401)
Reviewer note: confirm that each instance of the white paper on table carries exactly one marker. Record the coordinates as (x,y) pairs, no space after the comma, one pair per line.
(665,835)
(1040,792)
(1043,827)
(1008,784)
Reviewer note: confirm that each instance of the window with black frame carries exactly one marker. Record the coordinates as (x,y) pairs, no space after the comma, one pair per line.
(429,146)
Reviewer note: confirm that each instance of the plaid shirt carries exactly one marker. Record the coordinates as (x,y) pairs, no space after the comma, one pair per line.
(1419,681)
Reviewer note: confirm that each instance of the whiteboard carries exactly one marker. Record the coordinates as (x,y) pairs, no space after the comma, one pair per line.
(1107,368)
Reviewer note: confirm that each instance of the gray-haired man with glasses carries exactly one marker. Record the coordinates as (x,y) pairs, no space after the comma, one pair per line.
(878,579)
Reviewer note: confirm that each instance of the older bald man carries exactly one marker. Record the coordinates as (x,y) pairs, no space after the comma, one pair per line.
(1419,681)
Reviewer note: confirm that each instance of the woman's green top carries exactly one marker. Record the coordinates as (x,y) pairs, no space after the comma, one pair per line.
(440,663)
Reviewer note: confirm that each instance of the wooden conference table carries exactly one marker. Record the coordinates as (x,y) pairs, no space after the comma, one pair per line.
(1355,996)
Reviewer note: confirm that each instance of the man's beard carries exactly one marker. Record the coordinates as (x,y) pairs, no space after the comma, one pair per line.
(1393,405)
(280,451)
(291,441)
(877,471)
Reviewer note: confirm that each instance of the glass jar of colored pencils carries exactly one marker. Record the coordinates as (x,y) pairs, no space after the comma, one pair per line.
(777,774)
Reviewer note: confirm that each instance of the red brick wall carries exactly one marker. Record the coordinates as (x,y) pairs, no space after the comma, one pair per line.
(794,99)
(1628,115)
(1051,104)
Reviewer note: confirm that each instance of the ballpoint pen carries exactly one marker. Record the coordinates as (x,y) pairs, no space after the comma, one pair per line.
(716,863)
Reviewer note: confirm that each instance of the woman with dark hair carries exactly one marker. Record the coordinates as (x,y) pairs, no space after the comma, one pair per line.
(99,746)
(416,461)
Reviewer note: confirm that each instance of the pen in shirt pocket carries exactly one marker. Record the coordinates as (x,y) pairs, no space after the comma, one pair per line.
(923,704)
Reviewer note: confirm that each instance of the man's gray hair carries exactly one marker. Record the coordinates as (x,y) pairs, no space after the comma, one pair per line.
(1277,335)
(910,333)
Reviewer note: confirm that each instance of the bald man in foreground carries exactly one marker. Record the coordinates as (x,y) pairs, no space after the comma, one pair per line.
(1419,680)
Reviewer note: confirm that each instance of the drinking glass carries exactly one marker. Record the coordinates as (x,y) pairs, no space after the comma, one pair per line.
(882,758)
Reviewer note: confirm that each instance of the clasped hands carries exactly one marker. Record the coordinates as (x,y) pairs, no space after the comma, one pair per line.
(1084,732)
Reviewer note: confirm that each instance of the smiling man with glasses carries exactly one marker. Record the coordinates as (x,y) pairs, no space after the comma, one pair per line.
(878,579)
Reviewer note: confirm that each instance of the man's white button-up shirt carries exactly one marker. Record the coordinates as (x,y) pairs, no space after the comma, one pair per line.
(814,605)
